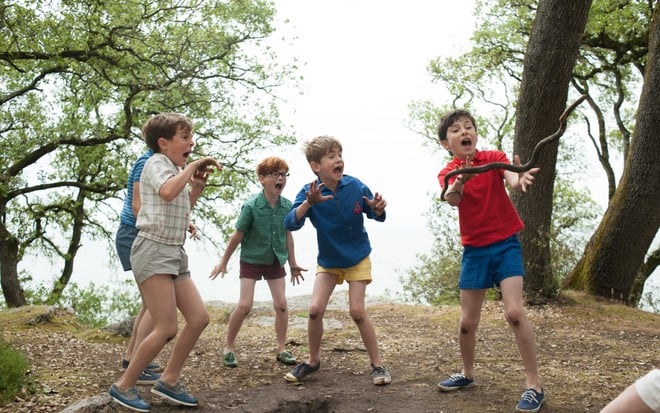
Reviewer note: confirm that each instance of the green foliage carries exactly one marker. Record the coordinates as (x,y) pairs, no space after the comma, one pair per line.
(13,372)
(95,306)
(79,80)
(434,280)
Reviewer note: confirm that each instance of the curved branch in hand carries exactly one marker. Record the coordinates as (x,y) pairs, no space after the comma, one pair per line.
(517,168)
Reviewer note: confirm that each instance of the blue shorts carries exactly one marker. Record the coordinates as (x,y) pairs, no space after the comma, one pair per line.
(485,267)
(126,234)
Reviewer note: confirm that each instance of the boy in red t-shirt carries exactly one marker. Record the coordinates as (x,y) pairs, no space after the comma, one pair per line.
(492,253)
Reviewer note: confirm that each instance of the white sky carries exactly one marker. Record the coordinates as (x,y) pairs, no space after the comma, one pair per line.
(363,63)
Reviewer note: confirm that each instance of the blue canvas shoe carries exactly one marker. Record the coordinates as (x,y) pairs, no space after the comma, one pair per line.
(455,382)
(130,399)
(176,393)
(530,401)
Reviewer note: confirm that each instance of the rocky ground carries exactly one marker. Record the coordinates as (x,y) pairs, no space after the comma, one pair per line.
(589,350)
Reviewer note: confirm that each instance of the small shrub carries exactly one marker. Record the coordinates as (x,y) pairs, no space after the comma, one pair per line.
(13,369)
(95,306)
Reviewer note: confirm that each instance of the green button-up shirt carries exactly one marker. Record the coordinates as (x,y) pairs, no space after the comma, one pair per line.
(264,235)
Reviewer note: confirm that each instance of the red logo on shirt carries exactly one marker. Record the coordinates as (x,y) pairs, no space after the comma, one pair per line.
(357,208)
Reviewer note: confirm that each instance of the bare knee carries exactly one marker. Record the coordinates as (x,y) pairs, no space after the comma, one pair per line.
(316,312)
(244,308)
(358,315)
(468,326)
(169,333)
(281,306)
(514,316)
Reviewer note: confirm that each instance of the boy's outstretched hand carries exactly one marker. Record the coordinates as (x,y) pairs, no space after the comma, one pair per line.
(314,194)
(296,274)
(218,269)
(377,204)
(525,179)
(203,168)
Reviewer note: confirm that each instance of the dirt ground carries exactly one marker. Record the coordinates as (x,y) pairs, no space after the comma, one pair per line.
(589,350)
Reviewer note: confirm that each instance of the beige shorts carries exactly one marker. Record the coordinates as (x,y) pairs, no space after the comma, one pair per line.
(359,272)
(648,389)
(149,258)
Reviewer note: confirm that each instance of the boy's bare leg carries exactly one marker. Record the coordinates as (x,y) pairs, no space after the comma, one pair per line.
(627,402)
(194,312)
(358,311)
(471,303)
(134,334)
(515,314)
(324,285)
(159,298)
(277,291)
(243,308)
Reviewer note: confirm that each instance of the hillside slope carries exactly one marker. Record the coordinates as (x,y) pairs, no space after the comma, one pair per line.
(589,350)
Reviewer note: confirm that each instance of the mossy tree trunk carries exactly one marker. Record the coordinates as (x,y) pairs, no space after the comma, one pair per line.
(616,251)
(547,68)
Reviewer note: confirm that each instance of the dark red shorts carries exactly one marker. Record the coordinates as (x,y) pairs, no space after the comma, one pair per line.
(259,271)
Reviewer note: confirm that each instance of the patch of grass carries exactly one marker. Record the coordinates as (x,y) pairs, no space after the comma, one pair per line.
(13,369)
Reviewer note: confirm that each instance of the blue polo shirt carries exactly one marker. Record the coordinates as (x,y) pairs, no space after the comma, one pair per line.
(126,216)
(342,238)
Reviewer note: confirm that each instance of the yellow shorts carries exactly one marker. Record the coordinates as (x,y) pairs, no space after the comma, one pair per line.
(359,272)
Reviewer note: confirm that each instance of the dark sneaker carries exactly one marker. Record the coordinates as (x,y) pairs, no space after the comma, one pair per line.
(129,398)
(229,359)
(380,375)
(155,367)
(286,358)
(530,401)
(301,371)
(455,382)
(148,377)
(176,393)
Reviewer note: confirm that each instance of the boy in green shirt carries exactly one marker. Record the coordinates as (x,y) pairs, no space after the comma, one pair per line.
(265,246)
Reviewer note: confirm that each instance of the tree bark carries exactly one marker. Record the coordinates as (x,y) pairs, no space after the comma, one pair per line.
(547,68)
(11,288)
(616,251)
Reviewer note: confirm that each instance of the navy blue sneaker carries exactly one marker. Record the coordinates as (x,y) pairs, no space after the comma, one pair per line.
(153,366)
(455,382)
(129,398)
(301,371)
(148,377)
(176,393)
(530,401)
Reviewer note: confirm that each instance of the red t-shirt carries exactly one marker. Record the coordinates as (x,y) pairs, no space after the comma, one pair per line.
(485,212)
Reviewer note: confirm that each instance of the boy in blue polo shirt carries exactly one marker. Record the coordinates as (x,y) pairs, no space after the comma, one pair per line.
(335,204)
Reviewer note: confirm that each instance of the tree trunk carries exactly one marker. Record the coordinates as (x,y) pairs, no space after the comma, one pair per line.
(11,288)
(616,251)
(74,246)
(549,60)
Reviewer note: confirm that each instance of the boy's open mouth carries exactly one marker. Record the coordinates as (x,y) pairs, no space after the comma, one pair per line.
(186,154)
(279,186)
(466,142)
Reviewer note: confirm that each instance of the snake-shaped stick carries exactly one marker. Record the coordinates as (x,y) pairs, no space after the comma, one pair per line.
(517,168)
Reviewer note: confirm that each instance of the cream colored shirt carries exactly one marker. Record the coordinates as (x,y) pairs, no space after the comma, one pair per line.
(159,220)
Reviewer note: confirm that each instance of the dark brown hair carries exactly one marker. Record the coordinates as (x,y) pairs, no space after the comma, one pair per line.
(449,118)
(164,125)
